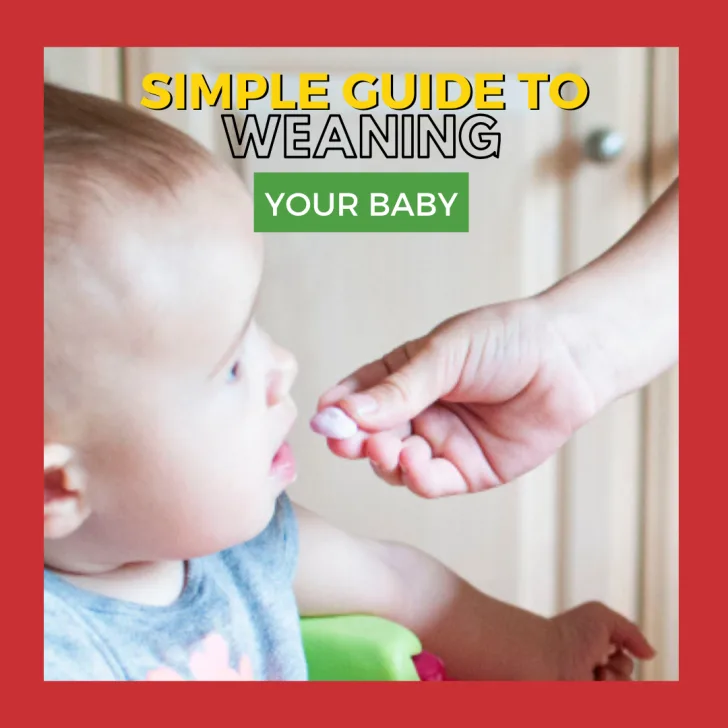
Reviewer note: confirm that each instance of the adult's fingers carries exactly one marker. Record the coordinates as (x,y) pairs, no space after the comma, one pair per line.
(358,445)
(418,374)
(363,378)
(431,478)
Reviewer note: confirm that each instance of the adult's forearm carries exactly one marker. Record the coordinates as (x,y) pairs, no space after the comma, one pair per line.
(619,314)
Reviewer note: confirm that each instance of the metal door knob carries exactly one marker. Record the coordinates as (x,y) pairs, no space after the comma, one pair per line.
(604,145)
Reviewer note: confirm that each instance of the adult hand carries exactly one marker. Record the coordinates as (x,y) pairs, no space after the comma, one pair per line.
(490,394)
(485,397)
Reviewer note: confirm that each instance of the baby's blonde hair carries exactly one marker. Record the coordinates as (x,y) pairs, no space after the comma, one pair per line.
(102,160)
(87,136)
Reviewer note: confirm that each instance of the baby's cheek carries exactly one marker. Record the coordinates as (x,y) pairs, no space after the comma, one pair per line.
(249,395)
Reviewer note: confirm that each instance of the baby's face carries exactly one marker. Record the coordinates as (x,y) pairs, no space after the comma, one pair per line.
(185,446)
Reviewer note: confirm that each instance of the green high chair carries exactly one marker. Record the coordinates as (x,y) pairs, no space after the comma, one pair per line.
(359,648)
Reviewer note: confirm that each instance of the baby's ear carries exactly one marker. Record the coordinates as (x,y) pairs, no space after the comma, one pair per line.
(66,503)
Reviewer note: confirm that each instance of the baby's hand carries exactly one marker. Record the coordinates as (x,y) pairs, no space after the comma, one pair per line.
(596,643)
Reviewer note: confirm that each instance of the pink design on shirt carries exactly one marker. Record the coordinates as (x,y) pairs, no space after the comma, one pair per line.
(211,663)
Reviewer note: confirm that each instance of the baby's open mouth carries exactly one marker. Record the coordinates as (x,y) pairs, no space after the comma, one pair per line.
(283,466)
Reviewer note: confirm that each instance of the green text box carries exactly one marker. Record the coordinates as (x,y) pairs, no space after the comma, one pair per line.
(416,202)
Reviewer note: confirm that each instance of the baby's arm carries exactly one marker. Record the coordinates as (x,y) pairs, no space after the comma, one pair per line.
(478,638)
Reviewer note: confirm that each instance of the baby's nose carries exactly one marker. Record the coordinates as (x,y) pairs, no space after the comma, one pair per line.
(282,376)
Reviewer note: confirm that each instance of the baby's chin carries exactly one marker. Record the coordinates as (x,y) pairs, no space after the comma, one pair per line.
(214,540)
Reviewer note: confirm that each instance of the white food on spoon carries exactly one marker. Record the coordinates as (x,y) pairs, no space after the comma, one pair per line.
(334,423)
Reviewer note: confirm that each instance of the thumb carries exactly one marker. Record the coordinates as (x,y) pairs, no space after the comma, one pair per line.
(404,393)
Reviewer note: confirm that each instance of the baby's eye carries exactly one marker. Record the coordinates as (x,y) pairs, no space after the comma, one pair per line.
(233,373)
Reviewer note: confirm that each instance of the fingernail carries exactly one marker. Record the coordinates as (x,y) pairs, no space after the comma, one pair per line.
(362,404)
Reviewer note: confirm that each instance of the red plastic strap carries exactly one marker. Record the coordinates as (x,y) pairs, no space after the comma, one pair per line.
(429,667)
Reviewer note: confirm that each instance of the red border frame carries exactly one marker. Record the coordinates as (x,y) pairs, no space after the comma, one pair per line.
(374,23)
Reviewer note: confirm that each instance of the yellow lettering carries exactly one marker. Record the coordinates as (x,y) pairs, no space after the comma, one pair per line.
(425,91)
(482,91)
(180,91)
(533,80)
(306,91)
(246,94)
(223,88)
(441,88)
(163,95)
(410,91)
(582,91)
(276,93)
(350,86)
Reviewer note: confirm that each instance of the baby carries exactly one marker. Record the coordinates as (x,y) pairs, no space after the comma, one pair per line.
(170,544)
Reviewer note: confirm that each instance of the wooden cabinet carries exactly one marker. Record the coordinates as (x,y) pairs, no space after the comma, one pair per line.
(574,529)
(660,553)
(93,70)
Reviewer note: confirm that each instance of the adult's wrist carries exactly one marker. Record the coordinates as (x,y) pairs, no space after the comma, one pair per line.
(591,333)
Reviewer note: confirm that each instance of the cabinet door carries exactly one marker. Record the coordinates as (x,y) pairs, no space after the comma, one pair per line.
(92,70)
(660,570)
(568,531)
